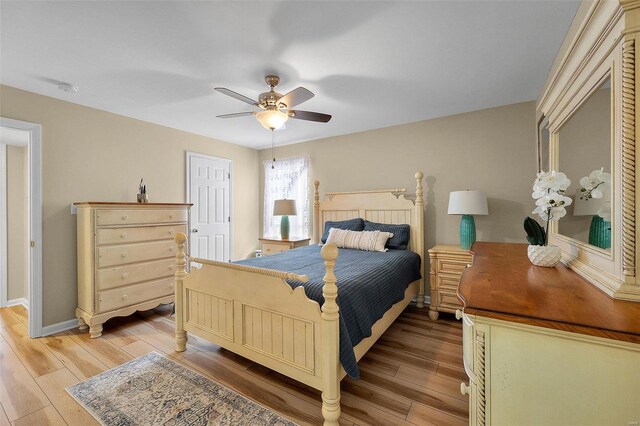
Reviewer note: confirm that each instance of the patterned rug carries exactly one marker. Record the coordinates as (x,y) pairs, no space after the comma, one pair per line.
(153,390)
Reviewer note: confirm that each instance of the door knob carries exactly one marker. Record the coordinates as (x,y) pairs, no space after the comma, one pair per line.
(194,230)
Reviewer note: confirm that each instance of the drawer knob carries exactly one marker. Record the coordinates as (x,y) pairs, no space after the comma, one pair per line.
(125,275)
(171,231)
(171,285)
(124,217)
(458,314)
(123,235)
(464,389)
(171,216)
(125,254)
(171,249)
(124,296)
(172,266)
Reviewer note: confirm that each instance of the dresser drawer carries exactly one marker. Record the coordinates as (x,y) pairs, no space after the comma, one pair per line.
(452,266)
(448,299)
(268,249)
(109,300)
(448,282)
(131,253)
(132,217)
(132,235)
(124,275)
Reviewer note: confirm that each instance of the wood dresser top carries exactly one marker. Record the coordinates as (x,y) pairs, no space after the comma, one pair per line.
(503,284)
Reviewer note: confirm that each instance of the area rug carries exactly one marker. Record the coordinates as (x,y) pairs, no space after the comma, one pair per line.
(153,390)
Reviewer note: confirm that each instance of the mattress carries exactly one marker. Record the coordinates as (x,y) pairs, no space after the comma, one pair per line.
(369,283)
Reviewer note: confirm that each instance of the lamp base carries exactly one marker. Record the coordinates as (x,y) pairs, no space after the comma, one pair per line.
(467,231)
(600,233)
(284,228)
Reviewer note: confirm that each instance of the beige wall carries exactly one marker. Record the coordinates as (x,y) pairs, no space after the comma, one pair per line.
(491,150)
(92,155)
(17,231)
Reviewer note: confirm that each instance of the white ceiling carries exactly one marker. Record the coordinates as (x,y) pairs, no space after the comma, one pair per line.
(370,64)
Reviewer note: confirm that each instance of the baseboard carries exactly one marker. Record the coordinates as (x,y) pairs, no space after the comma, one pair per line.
(61,326)
(20,301)
(427,300)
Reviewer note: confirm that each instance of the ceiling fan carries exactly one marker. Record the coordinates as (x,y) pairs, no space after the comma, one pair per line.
(275,107)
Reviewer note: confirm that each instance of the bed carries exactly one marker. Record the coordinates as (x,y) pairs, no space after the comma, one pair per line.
(263,315)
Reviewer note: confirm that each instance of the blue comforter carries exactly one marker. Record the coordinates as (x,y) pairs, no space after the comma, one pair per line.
(369,283)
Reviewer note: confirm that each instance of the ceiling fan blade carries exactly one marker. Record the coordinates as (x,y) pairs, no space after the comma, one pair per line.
(236,95)
(236,114)
(310,116)
(296,97)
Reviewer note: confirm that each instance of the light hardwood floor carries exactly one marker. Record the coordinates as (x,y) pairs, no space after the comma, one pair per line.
(411,376)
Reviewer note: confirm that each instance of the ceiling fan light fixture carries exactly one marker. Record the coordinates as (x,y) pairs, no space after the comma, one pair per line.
(272,119)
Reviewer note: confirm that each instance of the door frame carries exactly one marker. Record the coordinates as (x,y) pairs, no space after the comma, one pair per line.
(34,148)
(188,157)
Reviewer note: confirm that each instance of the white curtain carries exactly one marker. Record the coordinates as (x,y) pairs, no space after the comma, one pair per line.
(287,179)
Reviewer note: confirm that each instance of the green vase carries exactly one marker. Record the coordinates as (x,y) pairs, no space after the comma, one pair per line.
(284,228)
(600,233)
(467,231)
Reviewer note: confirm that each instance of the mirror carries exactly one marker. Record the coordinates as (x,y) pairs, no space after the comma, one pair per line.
(584,155)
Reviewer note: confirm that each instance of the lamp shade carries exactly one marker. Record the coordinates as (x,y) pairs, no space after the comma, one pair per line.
(468,202)
(284,208)
(272,119)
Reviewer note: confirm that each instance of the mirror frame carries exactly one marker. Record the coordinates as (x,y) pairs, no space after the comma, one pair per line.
(602,44)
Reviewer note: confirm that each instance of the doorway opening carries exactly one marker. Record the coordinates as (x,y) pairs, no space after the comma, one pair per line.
(21,210)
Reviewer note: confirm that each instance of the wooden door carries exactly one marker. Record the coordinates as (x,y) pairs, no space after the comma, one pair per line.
(209,180)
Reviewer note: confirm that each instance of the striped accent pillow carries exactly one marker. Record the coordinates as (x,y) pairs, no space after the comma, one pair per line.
(359,240)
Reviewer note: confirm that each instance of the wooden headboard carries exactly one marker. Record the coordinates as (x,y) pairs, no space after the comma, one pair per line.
(382,206)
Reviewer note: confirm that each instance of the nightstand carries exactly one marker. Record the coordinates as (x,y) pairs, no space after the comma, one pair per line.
(447,263)
(273,245)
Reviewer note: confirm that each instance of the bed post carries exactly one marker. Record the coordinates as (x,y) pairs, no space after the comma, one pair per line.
(181,261)
(317,226)
(330,340)
(420,240)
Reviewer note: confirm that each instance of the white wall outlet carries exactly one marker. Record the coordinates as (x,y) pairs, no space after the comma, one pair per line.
(74,209)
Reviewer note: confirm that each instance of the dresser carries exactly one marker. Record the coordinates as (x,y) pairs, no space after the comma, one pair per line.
(447,263)
(543,346)
(126,258)
(273,245)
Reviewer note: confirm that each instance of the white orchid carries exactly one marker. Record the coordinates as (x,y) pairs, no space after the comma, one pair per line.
(552,206)
(547,182)
(548,190)
(594,185)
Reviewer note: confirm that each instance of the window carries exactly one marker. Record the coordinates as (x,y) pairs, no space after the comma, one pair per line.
(288,179)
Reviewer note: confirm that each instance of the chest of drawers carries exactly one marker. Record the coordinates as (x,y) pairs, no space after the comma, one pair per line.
(447,263)
(126,258)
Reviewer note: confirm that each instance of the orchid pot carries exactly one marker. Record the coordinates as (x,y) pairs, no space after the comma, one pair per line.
(548,191)
(547,256)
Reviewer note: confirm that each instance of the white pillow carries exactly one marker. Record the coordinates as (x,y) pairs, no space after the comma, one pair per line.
(359,240)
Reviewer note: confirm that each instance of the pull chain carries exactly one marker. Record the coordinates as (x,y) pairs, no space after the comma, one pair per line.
(273,149)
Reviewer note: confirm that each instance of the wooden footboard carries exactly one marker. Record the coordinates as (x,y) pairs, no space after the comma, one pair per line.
(254,312)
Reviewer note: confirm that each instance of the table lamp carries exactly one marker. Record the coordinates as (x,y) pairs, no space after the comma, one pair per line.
(284,208)
(468,203)
(600,229)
